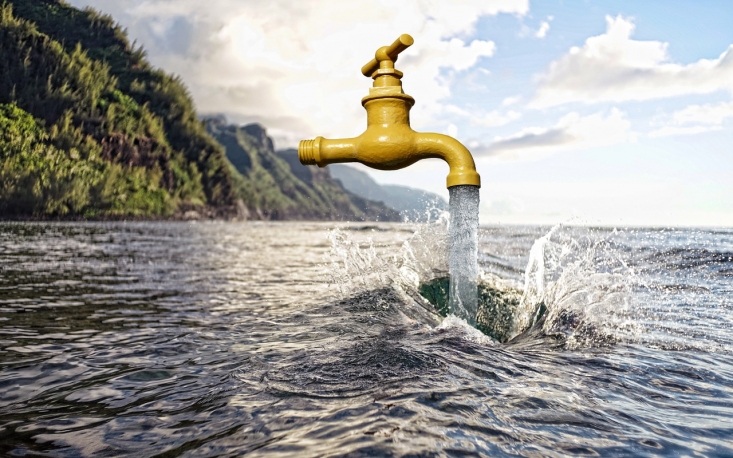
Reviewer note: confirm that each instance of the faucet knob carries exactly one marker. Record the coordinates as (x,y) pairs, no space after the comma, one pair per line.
(387,53)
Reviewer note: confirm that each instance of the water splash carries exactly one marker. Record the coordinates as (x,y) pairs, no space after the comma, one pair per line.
(544,257)
(358,262)
(468,332)
(576,285)
(463,264)
(582,285)
(355,265)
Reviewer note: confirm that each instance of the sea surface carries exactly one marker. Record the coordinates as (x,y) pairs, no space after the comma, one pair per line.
(313,340)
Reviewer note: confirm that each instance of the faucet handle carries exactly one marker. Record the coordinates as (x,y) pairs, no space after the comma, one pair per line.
(387,53)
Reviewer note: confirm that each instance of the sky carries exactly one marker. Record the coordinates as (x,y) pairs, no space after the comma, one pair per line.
(589,112)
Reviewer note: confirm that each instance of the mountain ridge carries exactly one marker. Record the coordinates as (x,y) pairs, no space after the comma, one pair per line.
(282,188)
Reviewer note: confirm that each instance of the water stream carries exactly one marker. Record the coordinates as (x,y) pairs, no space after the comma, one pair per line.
(463,240)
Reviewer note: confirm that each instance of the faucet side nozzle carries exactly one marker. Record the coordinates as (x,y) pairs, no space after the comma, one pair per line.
(308,151)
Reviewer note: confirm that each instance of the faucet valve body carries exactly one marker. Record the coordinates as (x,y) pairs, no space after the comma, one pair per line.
(389,143)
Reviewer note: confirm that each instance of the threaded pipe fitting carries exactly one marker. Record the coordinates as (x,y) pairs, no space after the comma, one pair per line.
(307,152)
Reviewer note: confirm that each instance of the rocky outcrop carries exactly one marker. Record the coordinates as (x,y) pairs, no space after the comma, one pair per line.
(276,186)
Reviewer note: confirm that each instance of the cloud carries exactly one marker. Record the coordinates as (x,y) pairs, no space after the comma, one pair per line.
(544,28)
(571,132)
(677,130)
(295,66)
(612,67)
(495,118)
(704,114)
(541,32)
(707,118)
(488,119)
(508,101)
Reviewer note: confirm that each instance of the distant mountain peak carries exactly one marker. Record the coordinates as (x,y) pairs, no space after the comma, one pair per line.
(217,119)
(413,204)
(259,132)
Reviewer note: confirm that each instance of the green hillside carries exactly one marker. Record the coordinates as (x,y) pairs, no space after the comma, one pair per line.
(87,100)
(88,128)
(277,186)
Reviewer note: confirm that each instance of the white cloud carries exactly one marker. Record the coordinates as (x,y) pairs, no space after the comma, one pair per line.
(295,66)
(510,101)
(488,119)
(571,132)
(704,114)
(495,118)
(613,67)
(706,118)
(542,31)
(677,130)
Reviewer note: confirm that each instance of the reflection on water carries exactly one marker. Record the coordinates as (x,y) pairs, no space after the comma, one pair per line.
(290,339)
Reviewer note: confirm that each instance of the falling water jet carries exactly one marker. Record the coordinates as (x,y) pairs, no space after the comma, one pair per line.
(463,264)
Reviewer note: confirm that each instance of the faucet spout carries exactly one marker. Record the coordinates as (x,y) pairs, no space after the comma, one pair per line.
(386,152)
(389,143)
(462,169)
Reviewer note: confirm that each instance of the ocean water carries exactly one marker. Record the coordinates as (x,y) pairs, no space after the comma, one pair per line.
(313,339)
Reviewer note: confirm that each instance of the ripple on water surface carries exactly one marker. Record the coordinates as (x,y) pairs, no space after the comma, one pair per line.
(290,339)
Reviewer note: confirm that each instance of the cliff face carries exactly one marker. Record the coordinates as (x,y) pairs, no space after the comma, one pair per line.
(276,186)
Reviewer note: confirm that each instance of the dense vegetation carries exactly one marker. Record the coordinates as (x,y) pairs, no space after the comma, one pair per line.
(88,128)
(276,186)
(124,136)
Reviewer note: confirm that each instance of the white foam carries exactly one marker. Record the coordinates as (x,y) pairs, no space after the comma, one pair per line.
(452,322)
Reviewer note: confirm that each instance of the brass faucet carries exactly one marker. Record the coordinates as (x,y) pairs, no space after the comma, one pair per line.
(389,143)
